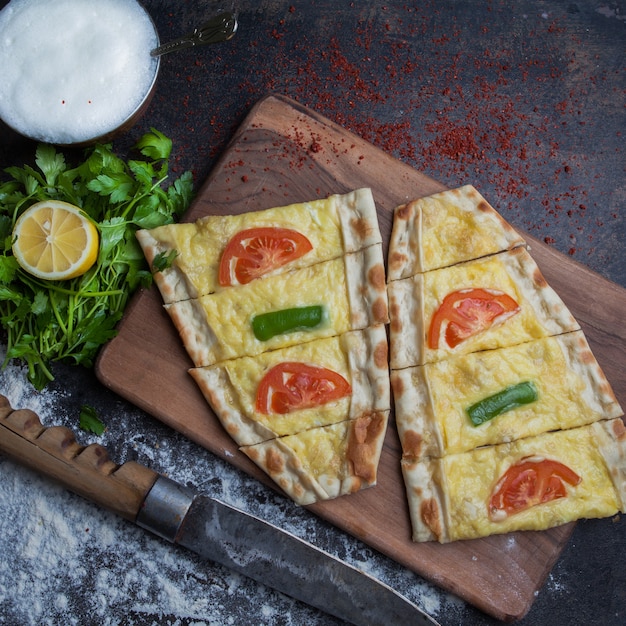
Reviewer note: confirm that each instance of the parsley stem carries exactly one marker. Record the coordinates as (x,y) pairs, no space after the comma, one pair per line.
(78,293)
(47,321)
(136,199)
(55,310)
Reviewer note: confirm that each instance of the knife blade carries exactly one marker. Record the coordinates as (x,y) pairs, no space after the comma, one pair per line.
(211,528)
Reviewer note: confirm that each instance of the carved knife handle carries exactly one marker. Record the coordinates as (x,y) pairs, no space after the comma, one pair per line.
(88,471)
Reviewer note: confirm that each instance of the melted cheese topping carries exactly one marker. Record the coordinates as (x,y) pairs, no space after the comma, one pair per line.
(200,245)
(446,228)
(321,451)
(458,383)
(339,225)
(246,373)
(325,462)
(445,221)
(227,314)
(469,479)
(491,274)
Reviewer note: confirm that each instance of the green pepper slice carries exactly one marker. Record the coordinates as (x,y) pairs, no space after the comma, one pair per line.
(509,398)
(268,325)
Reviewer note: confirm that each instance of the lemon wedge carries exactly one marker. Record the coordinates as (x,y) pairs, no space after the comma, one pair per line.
(55,240)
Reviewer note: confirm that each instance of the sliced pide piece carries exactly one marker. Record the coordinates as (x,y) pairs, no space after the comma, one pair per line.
(308,385)
(326,462)
(446,228)
(497,301)
(286,309)
(529,484)
(217,251)
(497,396)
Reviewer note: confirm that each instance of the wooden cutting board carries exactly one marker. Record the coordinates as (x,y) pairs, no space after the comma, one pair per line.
(285,153)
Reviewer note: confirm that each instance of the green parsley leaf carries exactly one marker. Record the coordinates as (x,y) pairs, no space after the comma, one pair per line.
(163,260)
(111,233)
(50,162)
(89,421)
(117,185)
(8,268)
(181,192)
(40,303)
(46,321)
(143,171)
(155,145)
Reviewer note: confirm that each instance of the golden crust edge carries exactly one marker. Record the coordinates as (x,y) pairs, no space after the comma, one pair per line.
(369,379)
(356,211)
(610,437)
(366,287)
(405,256)
(280,463)
(406,328)
(172,282)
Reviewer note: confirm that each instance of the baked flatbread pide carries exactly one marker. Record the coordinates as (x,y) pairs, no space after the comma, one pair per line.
(492,302)
(446,228)
(324,462)
(529,484)
(322,300)
(218,251)
(497,396)
(287,391)
(505,418)
(282,313)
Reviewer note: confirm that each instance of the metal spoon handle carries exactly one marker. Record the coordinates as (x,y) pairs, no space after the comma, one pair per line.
(219,28)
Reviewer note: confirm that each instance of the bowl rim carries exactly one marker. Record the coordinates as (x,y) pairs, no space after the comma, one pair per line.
(130,120)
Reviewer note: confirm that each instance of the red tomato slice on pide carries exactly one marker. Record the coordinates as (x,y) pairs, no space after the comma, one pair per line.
(254,252)
(467,312)
(291,386)
(531,481)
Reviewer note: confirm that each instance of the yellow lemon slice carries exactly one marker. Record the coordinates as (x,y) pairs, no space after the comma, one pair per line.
(54,240)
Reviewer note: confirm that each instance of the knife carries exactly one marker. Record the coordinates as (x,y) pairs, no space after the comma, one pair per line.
(213,529)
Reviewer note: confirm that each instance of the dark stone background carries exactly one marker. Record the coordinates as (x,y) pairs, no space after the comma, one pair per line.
(525,100)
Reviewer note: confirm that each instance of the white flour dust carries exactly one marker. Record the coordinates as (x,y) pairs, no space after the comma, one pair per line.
(66,561)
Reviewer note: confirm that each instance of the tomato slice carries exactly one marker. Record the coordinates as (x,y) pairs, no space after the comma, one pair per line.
(467,312)
(293,385)
(256,251)
(531,481)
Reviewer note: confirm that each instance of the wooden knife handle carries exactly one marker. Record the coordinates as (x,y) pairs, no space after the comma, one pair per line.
(88,471)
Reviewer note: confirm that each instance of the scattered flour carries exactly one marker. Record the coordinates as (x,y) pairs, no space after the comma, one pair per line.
(66,561)
(611,12)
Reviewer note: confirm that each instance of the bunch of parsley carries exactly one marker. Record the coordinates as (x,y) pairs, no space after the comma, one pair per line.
(46,321)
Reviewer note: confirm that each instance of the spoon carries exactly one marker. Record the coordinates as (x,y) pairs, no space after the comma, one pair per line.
(219,28)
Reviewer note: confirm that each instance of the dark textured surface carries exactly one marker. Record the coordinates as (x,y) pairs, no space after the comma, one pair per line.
(525,100)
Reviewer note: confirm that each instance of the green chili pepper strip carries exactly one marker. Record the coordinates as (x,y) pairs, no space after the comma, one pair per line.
(268,325)
(506,400)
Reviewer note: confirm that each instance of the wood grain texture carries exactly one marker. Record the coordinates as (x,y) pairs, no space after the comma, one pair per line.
(284,153)
(87,471)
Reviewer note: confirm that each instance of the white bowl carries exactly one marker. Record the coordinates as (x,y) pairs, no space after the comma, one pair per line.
(75,72)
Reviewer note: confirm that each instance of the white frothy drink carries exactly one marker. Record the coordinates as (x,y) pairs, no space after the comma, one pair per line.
(73,70)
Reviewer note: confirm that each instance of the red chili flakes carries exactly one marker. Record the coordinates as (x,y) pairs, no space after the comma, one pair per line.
(561,107)
(458,117)
(455,141)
